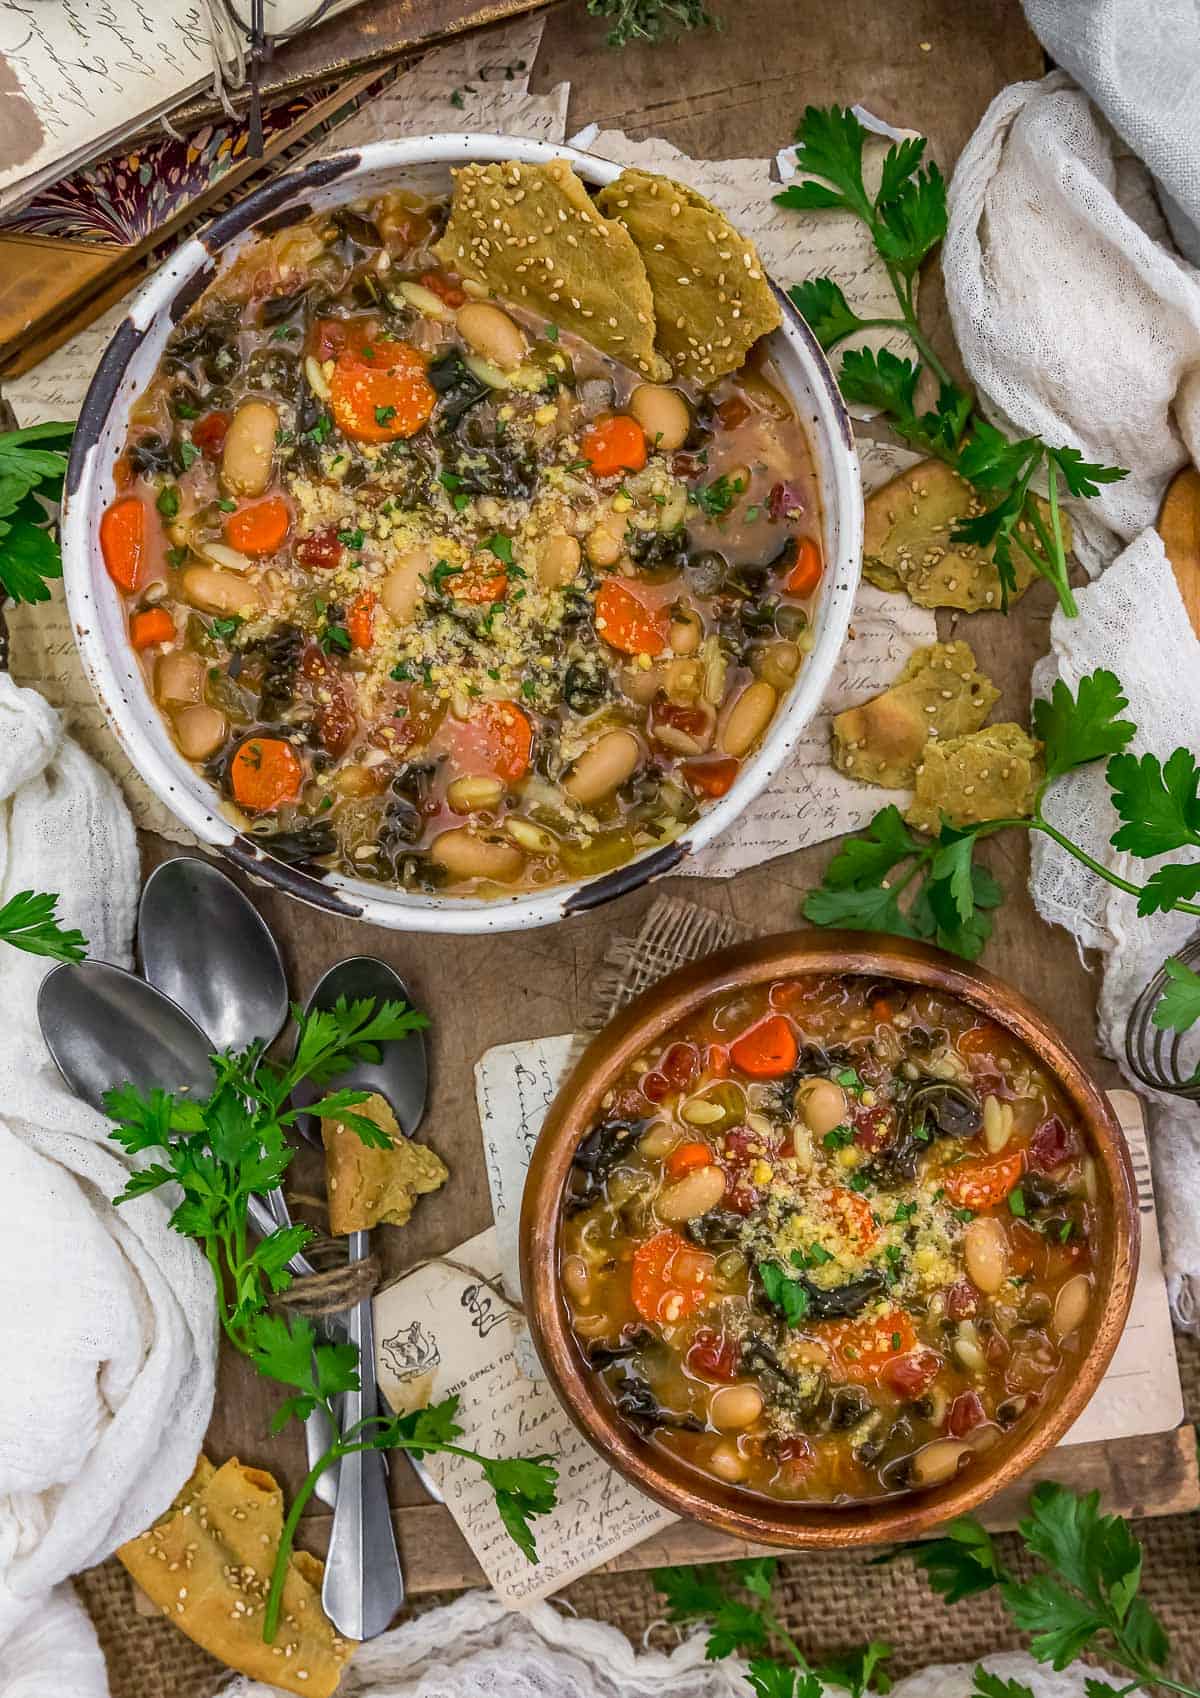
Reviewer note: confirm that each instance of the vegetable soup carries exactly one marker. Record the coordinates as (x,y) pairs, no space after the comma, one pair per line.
(439,591)
(832,1240)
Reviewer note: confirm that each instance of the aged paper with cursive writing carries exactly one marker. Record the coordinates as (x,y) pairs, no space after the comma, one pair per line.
(446,1320)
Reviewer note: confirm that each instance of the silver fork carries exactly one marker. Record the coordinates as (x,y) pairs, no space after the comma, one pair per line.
(1158,1057)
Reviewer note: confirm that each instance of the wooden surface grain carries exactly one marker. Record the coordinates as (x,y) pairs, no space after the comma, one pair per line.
(930,64)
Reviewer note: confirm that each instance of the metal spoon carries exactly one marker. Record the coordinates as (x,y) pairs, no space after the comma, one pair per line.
(363,1585)
(206,946)
(106,1027)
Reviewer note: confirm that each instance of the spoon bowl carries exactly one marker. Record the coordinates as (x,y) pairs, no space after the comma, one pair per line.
(205,945)
(106,1027)
(401,1075)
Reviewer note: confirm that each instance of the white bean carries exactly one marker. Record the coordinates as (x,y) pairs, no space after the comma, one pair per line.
(530,836)
(558,560)
(985,1252)
(199,731)
(693,1195)
(967,1349)
(1071,1304)
(938,1462)
(604,541)
(316,377)
(402,589)
(220,553)
(422,299)
(214,591)
(748,718)
(576,1278)
(733,1408)
(997,1123)
(466,855)
(604,767)
(659,1140)
(823,1105)
(492,334)
(663,415)
(686,631)
(249,448)
(474,793)
(778,664)
(727,1462)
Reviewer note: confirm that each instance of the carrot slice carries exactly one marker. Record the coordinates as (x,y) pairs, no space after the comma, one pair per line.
(478,583)
(854,1213)
(767,1050)
(123,541)
(711,778)
(265,772)
(155,625)
(259,529)
(669,1278)
(360,619)
(686,1157)
(805,574)
(863,1349)
(628,624)
(612,445)
(982,1184)
(382,393)
(502,736)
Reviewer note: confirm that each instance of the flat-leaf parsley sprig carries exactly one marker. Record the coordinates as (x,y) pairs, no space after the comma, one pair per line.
(950,898)
(906,219)
(29,921)
(33,464)
(232,1146)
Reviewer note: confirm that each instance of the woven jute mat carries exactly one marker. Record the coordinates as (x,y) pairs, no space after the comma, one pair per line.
(830,1601)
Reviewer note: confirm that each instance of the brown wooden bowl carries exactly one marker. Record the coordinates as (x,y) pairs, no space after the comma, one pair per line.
(639,1028)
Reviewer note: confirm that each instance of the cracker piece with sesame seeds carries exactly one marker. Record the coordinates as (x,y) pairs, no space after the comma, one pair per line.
(207,1565)
(991,774)
(534,236)
(907,546)
(940,693)
(369,1186)
(711,294)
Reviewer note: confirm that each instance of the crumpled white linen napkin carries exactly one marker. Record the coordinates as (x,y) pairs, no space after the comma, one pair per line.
(1141,65)
(473,1648)
(107,1320)
(1079,320)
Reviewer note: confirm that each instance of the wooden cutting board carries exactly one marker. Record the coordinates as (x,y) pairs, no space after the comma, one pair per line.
(1179,528)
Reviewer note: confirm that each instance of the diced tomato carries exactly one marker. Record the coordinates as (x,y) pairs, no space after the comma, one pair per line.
(1051,1145)
(733,412)
(320,549)
(966,1412)
(626,623)
(981,1038)
(805,575)
(503,737)
(1028,1250)
(673,723)
(332,337)
(360,619)
(335,722)
(479,582)
(155,625)
(863,1349)
(872,1126)
(445,285)
(716,1061)
(656,1087)
(854,1213)
(681,1064)
(911,1376)
(685,1158)
(713,777)
(670,1279)
(962,1300)
(982,1183)
(123,541)
(797,1458)
(741,1150)
(260,529)
(714,1355)
(612,445)
(208,433)
(767,1050)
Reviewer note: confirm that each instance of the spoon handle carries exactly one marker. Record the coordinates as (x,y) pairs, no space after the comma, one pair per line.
(363,1585)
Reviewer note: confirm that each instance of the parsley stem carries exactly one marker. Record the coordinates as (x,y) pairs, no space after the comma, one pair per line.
(287,1536)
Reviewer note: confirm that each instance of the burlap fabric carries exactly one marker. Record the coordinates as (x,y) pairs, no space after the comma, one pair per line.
(830,1601)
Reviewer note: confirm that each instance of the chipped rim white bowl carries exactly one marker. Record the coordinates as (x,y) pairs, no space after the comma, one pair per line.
(98,619)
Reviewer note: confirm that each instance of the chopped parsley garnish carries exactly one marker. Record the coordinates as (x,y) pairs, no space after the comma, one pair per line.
(384,415)
(440,573)
(752,513)
(963,1214)
(326,804)
(185,410)
(400,672)
(284,333)
(904,1211)
(788,1295)
(168,501)
(529,690)
(493,673)
(321,431)
(552,333)
(335,637)
(859,1182)
(577,465)
(227,506)
(223,629)
(838,1137)
(352,539)
(718,498)
(894,1257)
(177,557)
(1064,1231)
(897,1341)
(1016,1202)
(848,1079)
(501,546)
(188,454)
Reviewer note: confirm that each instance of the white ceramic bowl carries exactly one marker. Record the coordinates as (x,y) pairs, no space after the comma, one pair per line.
(98,617)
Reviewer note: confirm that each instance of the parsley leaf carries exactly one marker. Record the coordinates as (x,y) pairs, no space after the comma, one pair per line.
(988,1685)
(961,1562)
(790,1296)
(501,546)
(33,464)
(859,1671)
(1083,727)
(28,921)
(1178,1008)
(912,221)
(825,309)
(1159,804)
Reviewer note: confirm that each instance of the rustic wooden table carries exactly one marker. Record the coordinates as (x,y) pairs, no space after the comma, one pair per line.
(930,64)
